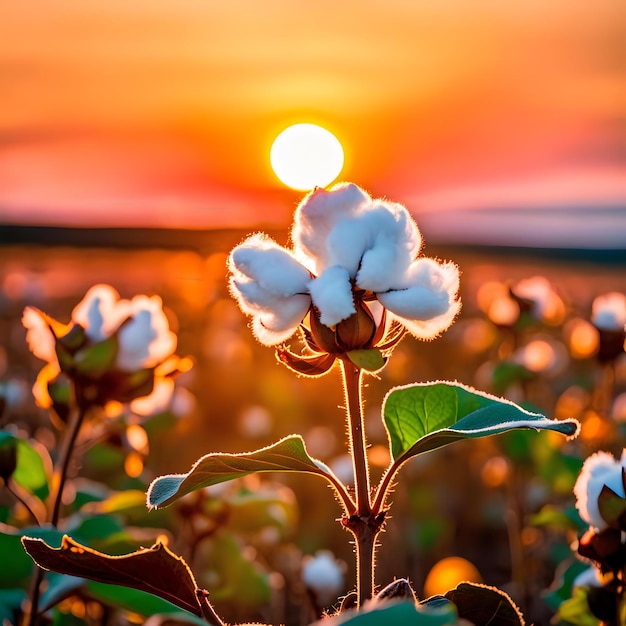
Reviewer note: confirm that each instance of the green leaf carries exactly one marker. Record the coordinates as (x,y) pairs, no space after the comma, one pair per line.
(97,358)
(133,600)
(575,610)
(426,416)
(10,603)
(287,455)
(29,472)
(563,585)
(558,519)
(391,613)
(155,570)
(240,579)
(369,360)
(484,606)
(611,506)
(59,587)
(12,551)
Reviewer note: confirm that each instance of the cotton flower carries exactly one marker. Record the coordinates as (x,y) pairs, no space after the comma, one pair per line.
(323,575)
(354,266)
(599,470)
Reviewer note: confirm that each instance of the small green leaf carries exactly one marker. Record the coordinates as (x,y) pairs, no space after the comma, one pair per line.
(484,606)
(287,455)
(388,613)
(98,358)
(368,360)
(611,506)
(423,417)
(155,570)
(29,471)
(558,519)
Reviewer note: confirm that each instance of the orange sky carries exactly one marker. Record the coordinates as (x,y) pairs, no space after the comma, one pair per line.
(163,113)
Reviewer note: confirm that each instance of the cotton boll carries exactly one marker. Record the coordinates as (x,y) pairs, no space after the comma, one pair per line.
(317,215)
(98,312)
(145,340)
(323,575)
(416,303)
(332,295)
(598,470)
(591,577)
(609,311)
(431,328)
(262,260)
(41,341)
(272,327)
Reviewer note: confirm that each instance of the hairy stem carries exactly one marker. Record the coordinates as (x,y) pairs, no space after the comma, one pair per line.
(352,380)
(208,612)
(60,477)
(363,524)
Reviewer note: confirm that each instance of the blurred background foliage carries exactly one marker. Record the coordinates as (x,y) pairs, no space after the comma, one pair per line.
(497,510)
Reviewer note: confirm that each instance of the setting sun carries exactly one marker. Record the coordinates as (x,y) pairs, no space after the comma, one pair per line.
(305,156)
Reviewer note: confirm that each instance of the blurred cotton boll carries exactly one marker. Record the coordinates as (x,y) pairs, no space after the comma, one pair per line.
(545,303)
(114,350)
(324,576)
(599,470)
(40,340)
(608,311)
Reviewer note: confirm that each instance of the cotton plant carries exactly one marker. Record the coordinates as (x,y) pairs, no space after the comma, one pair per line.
(113,351)
(352,285)
(599,591)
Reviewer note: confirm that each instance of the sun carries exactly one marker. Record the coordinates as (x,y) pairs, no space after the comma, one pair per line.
(305,156)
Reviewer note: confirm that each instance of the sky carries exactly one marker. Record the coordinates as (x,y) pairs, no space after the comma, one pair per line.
(162,113)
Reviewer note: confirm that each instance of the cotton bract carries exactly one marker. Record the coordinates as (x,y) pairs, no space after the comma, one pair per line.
(348,251)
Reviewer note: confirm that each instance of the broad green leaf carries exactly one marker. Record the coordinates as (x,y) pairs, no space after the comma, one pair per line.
(423,417)
(29,472)
(391,613)
(155,570)
(12,552)
(287,455)
(485,606)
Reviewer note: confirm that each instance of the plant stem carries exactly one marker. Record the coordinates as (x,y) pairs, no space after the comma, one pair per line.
(208,612)
(364,524)
(352,380)
(60,477)
(22,501)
